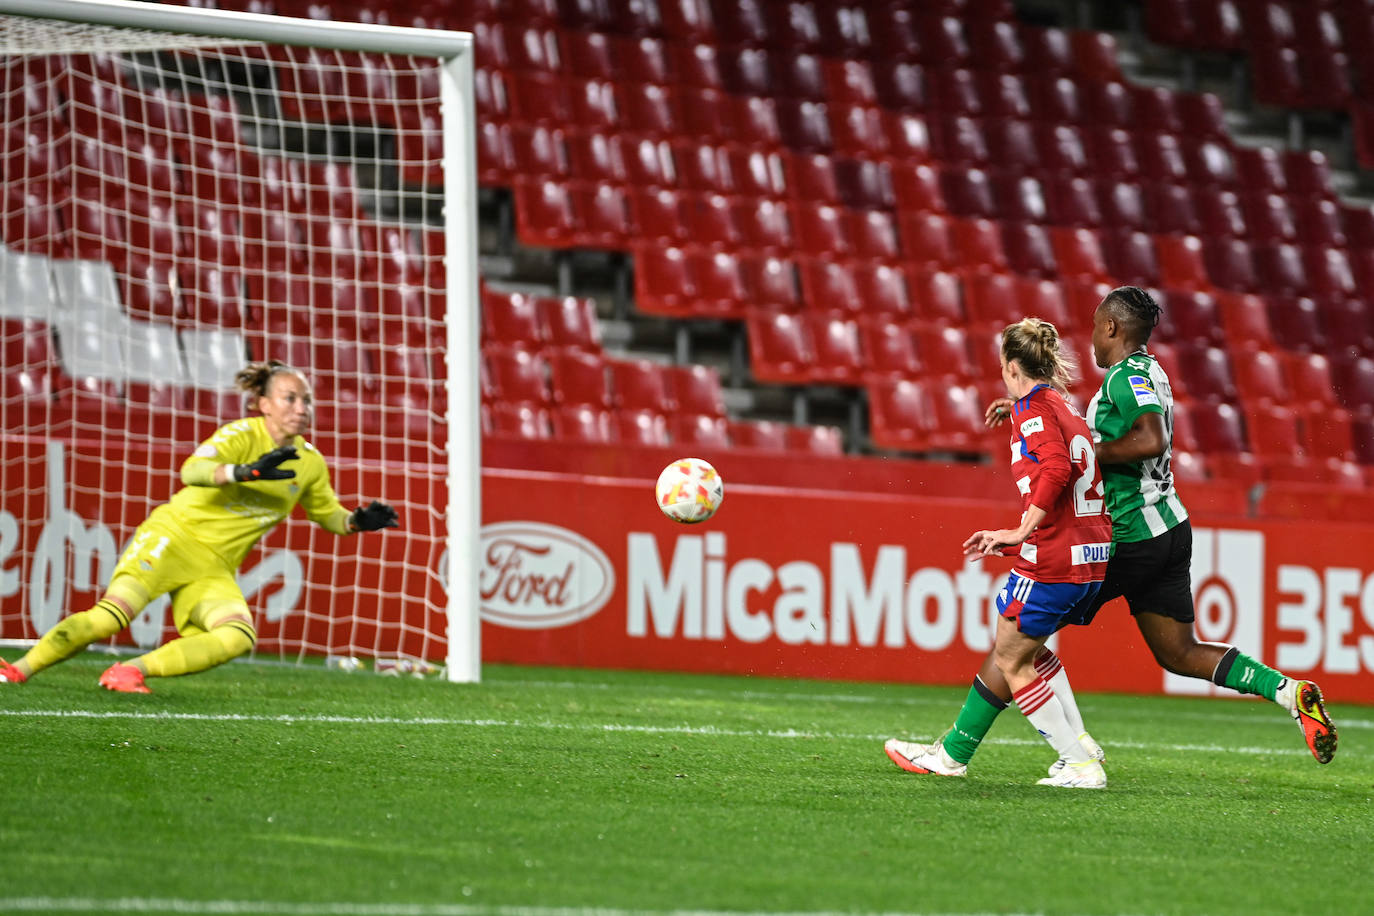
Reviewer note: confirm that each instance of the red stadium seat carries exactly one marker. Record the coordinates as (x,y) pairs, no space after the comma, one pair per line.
(822,230)
(699,430)
(1190,317)
(838,348)
(927,239)
(1181,265)
(938,297)
(1219,213)
(569,322)
(1078,252)
(917,187)
(583,423)
(815,440)
(771,281)
(697,390)
(874,234)
(522,421)
(1028,249)
(780,348)
(945,353)
(1260,378)
(578,377)
(908,136)
(641,384)
(1280,269)
(1206,372)
(511,318)
(1230,264)
(695,64)
(1055,98)
(657,214)
(516,375)
(900,414)
(882,290)
(641,427)
(829,285)
(891,350)
(978,244)
(1020,198)
(1122,205)
(959,420)
(762,435)
(1310,376)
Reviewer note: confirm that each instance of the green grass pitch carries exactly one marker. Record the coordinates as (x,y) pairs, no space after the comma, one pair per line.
(553,792)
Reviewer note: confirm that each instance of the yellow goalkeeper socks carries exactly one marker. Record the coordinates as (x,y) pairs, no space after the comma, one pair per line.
(76,633)
(190,654)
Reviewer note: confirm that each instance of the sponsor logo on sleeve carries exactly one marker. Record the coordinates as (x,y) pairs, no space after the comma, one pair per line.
(1033,425)
(206,451)
(1143,390)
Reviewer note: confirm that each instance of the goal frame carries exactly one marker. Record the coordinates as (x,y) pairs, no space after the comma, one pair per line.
(454,50)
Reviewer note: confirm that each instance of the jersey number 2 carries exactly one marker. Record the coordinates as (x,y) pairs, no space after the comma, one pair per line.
(1081,450)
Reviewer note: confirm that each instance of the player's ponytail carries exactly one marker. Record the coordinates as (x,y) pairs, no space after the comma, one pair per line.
(254,378)
(1036,345)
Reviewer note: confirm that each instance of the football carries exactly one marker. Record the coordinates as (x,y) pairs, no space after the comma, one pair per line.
(689,490)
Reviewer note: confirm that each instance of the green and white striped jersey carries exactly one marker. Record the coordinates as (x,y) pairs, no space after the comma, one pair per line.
(1140,496)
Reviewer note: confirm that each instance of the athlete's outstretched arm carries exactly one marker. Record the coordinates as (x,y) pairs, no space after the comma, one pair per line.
(373,517)
(985,543)
(202,471)
(1145,439)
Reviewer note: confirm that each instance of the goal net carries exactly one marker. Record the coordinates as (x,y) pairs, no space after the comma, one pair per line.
(186,191)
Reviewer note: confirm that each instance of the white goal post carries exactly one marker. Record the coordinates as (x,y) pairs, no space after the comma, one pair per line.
(187,189)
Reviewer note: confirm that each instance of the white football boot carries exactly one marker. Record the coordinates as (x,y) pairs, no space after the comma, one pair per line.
(1092,747)
(923,758)
(1088,775)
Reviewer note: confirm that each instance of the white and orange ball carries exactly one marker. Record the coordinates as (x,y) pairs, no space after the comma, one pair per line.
(689,490)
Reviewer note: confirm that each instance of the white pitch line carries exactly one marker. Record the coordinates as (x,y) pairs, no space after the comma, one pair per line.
(709,731)
(349,908)
(862,699)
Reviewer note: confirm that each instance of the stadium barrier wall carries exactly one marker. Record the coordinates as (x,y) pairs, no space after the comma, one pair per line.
(581,569)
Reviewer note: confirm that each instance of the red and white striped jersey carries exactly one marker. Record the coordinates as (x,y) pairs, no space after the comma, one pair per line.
(1055,468)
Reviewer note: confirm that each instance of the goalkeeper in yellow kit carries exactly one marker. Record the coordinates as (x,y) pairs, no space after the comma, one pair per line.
(239,483)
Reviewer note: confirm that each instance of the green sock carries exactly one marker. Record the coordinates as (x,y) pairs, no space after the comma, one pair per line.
(1244,674)
(975,718)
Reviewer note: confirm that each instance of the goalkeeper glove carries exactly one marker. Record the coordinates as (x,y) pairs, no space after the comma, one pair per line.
(373,517)
(265,468)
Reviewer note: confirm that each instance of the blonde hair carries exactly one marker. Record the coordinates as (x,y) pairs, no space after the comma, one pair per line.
(1036,345)
(255,378)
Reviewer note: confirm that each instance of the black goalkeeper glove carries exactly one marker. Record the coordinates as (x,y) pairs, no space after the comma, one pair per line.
(265,468)
(373,517)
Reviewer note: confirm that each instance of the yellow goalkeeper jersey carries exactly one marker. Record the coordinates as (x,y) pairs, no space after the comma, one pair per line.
(230,519)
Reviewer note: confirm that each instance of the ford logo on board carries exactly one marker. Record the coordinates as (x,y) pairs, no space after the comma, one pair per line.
(536,576)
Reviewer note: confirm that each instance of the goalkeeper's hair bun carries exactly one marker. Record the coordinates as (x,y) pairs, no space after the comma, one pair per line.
(255,377)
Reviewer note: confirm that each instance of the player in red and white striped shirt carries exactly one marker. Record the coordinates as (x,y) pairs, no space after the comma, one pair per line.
(1061,548)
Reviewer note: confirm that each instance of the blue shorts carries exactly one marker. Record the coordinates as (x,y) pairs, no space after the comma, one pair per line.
(1041,608)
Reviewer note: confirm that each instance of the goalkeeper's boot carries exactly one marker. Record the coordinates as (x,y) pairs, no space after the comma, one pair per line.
(923,758)
(1088,775)
(1303,700)
(10,674)
(1092,747)
(123,678)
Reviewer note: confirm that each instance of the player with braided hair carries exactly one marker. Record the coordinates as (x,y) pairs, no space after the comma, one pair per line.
(1060,548)
(239,484)
(1132,418)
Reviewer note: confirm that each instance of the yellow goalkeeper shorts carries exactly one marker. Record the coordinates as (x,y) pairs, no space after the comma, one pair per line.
(163,558)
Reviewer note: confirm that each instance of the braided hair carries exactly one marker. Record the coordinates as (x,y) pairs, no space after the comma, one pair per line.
(1035,344)
(1135,310)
